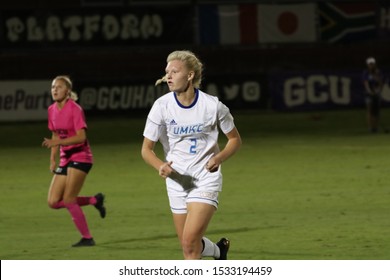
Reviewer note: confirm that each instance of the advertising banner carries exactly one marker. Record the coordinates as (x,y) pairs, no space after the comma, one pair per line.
(29,100)
(96,27)
(318,90)
(24,100)
(237,93)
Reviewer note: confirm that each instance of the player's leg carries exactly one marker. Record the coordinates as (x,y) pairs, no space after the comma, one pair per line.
(56,191)
(179,221)
(217,250)
(98,199)
(179,213)
(74,183)
(198,218)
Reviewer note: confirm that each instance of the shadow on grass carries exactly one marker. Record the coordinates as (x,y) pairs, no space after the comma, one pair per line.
(173,236)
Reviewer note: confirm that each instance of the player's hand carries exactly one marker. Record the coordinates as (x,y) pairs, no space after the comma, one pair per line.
(213,164)
(166,170)
(52,166)
(48,143)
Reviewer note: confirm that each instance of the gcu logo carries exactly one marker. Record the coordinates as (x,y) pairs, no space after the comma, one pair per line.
(317,89)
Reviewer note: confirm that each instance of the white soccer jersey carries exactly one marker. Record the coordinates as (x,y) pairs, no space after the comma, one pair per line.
(189,136)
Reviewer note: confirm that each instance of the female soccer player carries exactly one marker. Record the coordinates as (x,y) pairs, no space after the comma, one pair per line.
(68,126)
(186,122)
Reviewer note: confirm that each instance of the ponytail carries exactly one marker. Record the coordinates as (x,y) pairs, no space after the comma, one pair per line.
(162,80)
(73,96)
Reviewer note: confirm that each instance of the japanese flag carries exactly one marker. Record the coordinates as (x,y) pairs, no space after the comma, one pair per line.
(286,23)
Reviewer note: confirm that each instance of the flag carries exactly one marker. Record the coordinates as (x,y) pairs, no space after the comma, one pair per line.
(253,24)
(347,22)
(384,20)
(228,24)
(286,23)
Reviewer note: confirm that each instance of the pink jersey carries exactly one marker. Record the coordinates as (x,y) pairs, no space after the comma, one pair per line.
(65,123)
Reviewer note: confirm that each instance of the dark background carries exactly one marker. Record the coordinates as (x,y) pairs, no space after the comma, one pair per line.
(134,62)
(120,62)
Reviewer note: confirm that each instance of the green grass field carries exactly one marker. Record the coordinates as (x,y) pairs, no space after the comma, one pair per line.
(303,187)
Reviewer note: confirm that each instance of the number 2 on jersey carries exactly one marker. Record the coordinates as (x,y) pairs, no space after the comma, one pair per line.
(193,146)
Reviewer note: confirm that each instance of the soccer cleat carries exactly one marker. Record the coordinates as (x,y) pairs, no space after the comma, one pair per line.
(223,246)
(100,204)
(84,242)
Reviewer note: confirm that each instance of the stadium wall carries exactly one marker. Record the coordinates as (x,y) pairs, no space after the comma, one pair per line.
(245,71)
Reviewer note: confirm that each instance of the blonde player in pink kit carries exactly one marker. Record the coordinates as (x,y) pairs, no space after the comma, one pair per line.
(68,126)
(186,122)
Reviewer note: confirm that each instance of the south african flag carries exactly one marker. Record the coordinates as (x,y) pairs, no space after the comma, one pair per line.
(347,22)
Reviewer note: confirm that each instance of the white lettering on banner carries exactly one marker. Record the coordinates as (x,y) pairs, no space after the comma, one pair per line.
(212,89)
(342,96)
(150,26)
(91,26)
(120,97)
(317,89)
(250,91)
(385,18)
(231,92)
(84,28)
(20,100)
(34,33)
(313,95)
(386,92)
(15,27)
(111,28)
(54,25)
(72,23)
(24,100)
(294,94)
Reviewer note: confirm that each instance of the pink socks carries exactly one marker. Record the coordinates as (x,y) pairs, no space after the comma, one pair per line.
(81,201)
(79,219)
(77,214)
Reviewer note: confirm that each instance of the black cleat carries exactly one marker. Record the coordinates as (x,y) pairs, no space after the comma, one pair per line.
(100,204)
(223,246)
(84,242)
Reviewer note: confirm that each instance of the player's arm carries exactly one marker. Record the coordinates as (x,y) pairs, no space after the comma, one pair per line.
(53,153)
(147,151)
(367,87)
(79,138)
(232,146)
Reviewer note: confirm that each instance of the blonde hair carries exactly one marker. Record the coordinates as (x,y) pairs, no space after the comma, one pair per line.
(69,85)
(191,62)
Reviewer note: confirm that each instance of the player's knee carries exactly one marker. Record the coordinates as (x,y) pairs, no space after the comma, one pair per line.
(69,200)
(191,248)
(53,204)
